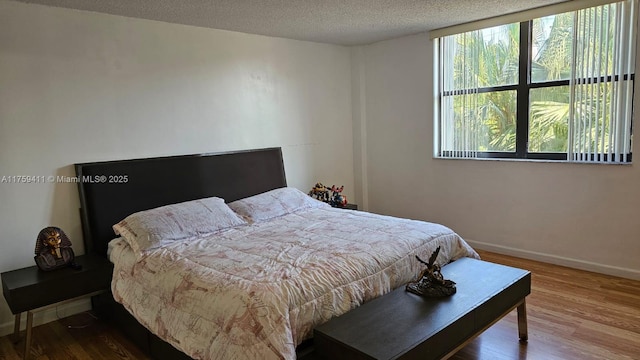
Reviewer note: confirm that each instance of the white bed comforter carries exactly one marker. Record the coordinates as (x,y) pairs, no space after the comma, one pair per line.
(256,291)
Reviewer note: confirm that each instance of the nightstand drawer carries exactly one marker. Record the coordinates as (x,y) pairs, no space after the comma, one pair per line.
(30,288)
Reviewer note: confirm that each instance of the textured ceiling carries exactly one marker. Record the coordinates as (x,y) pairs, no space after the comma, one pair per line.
(344,22)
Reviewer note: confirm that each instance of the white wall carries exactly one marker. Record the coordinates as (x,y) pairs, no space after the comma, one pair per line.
(79,86)
(580,215)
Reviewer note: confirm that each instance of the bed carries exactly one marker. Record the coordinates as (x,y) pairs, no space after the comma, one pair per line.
(255,287)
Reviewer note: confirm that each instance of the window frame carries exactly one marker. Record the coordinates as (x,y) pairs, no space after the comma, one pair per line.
(523,88)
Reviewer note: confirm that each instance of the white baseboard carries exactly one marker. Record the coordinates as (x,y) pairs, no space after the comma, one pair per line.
(49,315)
(557,260)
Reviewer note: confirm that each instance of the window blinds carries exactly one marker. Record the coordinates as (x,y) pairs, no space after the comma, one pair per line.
(461,122)
(601,86)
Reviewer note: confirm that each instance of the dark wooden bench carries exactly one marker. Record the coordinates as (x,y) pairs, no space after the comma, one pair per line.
(402,325)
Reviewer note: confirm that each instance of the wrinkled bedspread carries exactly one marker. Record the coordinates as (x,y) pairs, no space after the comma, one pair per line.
(256,291)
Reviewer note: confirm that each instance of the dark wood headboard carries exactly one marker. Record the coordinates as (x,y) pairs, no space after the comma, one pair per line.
(112,190)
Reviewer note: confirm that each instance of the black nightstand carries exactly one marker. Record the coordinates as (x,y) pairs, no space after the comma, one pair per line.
(348,207)
(31,289)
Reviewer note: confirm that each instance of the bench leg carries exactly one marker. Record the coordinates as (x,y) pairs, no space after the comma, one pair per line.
(27,339)
(522,321)
(16,329)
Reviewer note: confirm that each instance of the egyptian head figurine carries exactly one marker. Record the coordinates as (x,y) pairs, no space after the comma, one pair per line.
(53,249)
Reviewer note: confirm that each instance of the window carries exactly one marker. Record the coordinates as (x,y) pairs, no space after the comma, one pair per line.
(557,87)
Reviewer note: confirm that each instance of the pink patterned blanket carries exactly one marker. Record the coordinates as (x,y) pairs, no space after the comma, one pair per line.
(256,291)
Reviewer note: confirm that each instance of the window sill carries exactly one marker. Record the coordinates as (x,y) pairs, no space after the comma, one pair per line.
(544,161)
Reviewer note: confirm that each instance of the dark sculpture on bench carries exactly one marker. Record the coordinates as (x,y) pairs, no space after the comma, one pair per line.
(430,283)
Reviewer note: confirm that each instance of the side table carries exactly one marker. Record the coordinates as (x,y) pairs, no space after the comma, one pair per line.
(31,289)
(351,207)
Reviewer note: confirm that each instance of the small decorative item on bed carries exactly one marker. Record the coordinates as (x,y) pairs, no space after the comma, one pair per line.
(337,199)
(332,196)
(430,283)
(319,192)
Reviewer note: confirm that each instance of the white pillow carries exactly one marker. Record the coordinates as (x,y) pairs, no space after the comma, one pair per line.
(275,203)
(151,229)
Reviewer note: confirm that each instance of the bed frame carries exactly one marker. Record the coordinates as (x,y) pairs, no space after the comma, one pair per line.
(112,190)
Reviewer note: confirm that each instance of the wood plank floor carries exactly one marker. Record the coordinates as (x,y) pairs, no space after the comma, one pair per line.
(572,314)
